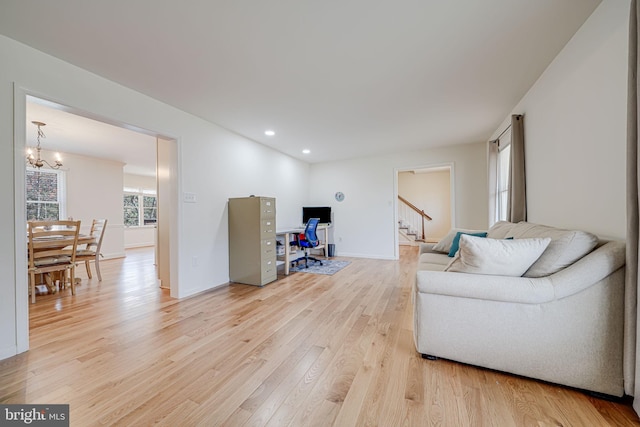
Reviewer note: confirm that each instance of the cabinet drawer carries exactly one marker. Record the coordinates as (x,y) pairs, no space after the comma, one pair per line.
(269,266)
(269,275)
(268,228)
(268,248)
(267,208)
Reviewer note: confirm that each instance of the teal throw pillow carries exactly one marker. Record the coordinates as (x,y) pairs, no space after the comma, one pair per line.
(455,245)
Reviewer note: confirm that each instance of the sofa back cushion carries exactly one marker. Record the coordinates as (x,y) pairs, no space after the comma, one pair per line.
(565,248)
(455,244)
(444,245)
(499,257)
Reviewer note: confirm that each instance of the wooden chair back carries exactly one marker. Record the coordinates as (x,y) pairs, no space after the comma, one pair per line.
(98,226)
(52,247)
(92,250)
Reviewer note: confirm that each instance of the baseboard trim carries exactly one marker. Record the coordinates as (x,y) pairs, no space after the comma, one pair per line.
(193,292)
(114,255)
(139,245)
(8,352)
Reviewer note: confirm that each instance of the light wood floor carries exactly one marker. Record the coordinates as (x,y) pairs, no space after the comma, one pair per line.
(306,350)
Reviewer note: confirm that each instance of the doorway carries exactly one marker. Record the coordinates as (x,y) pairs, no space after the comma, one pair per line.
(86,158)
(425,208)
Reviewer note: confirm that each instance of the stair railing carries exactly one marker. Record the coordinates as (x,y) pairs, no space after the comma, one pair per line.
(413,215)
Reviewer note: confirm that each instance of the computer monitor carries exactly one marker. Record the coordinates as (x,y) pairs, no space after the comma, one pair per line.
(322,212)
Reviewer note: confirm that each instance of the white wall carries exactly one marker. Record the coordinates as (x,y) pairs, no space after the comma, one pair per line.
(141,182)
(364,223)
(575,129)
(431,192)
(139,237)
(213,163)
(94,190)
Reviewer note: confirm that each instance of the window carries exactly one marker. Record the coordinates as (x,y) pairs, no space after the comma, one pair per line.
(131,210)
(150,209)
(499,165)
(140,207)
(502,191)
(45,194)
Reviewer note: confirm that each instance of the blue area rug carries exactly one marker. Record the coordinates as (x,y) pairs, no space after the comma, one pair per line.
(328,267)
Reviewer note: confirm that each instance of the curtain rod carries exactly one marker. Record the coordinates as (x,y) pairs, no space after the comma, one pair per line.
(493,141)
(503,132)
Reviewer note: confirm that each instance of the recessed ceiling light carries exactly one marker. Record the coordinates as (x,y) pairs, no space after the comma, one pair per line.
(306,151)
(269,132)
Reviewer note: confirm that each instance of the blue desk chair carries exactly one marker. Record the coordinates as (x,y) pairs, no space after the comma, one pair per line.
(309,241)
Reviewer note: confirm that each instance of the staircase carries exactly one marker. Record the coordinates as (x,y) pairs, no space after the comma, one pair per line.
(410,223)
(408,236)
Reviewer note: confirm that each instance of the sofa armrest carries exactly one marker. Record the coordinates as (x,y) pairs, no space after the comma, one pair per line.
(523,290)
(426,248)
(590,269)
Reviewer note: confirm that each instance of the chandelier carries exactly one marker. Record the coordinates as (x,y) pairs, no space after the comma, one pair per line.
(37,161)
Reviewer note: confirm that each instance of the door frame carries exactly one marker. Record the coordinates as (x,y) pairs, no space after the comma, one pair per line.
(452,196)
(20,239)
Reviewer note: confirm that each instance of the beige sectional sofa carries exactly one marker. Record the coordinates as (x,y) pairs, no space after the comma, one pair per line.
(561,321)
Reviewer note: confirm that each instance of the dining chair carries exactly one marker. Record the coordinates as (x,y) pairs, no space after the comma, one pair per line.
(52,249)
(92,250)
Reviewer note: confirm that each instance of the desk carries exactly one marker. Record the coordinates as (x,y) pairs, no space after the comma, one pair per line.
(287,234)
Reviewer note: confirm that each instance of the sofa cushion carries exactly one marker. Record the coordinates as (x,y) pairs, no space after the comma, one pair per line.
(455,244)
(434,258)
(428,261)
(496,256)
(433,261)
(501,230)
(425,266)
(565,248)
(444,245)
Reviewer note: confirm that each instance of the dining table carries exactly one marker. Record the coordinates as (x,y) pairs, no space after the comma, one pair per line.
(49,242)
(53,242)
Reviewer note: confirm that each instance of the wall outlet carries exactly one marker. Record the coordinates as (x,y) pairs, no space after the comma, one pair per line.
(194,261)
(189,197)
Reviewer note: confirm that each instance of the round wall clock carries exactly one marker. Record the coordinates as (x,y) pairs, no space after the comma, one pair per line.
(339,196)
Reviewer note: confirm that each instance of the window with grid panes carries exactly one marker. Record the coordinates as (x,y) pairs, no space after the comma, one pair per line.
(139,208)
(44,194)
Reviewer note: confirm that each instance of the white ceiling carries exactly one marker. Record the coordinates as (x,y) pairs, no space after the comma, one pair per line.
(71,133)
(341,78)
